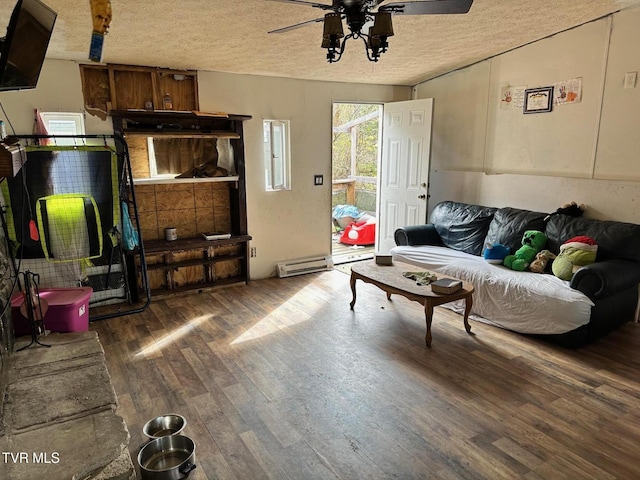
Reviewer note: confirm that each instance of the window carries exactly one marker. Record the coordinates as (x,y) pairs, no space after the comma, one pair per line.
(63,123)
(276,155)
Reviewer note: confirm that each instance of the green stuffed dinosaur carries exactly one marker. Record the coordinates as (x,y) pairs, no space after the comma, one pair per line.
(532,242)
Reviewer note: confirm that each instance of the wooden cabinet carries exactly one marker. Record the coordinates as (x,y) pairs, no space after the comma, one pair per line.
(120,87)
(191,205)
(11,159)
(218,262)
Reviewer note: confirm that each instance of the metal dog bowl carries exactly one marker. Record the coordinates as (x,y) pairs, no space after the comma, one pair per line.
(171,424)
(171,457)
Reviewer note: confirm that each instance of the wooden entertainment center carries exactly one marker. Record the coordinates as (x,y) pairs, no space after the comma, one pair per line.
(190,205)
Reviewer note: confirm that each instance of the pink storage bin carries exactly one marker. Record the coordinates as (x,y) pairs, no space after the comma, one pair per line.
(68,310)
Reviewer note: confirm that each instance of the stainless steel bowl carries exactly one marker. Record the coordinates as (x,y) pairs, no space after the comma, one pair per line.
(171,457)
(171,424)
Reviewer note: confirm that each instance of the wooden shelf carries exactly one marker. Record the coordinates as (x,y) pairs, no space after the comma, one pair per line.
(163,180)
(178,124)
(193,263)
(158,247)
(207,260)
(177,134)
(137,114)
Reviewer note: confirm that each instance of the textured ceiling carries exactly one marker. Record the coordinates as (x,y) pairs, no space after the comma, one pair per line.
(231,36)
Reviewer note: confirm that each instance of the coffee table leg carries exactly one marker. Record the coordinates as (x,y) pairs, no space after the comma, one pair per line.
(353,290)
(428,313)
(468,303)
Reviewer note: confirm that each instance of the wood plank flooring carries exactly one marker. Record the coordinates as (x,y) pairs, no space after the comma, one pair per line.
(279,379)
(344,253)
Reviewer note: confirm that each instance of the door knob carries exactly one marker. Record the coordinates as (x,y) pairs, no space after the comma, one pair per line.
(422,197)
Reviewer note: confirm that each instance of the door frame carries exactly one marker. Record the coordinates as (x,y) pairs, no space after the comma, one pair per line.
(368,251)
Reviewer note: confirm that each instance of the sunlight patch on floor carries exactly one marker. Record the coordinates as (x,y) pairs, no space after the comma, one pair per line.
(174,335)
(288,314)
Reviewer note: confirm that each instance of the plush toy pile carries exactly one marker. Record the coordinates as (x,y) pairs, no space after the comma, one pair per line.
(574,253)
(532,242)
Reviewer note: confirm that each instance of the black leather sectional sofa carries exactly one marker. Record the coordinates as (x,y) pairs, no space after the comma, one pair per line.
(611,283)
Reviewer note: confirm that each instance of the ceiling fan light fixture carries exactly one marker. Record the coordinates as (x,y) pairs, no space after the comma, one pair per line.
(331,44)
(373,46)
(332,55)
(332,26)
(378,34)
(331,35)
(382,25)
(373,42)
(358,13)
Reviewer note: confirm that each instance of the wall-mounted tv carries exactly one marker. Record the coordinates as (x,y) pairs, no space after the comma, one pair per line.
(23,49)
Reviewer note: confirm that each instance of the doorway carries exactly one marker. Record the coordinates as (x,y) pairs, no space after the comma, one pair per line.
(356,135)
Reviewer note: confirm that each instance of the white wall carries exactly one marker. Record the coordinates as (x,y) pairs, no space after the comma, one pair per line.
(58,89)
(296,223)
(586,152)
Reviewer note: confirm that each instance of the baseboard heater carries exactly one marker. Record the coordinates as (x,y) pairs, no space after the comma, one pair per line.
(304,265)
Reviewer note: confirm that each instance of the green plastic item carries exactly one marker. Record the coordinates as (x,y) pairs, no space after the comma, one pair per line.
(70,227)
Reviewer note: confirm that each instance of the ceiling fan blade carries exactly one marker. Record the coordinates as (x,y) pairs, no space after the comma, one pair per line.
(303,2)
(428,7)
(297,25)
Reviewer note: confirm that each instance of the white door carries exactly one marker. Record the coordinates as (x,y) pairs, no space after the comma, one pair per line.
(403,175)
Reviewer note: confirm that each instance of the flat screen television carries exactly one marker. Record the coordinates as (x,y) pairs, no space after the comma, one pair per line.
(23,49)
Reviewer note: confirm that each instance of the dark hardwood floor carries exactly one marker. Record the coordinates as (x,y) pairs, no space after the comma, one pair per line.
(281,380)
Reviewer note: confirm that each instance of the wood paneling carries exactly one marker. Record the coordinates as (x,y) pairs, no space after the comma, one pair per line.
(107,87)
(191,208)
(96,90)
(132,89)
(139,156)
(279,379)
(222,207)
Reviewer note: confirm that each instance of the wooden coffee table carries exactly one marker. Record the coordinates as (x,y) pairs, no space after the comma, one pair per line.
(390,280)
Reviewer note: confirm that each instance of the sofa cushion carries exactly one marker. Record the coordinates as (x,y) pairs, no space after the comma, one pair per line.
(509,224)
(615,239)
(461,226)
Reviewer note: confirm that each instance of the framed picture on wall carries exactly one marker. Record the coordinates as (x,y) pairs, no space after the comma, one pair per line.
(538,100)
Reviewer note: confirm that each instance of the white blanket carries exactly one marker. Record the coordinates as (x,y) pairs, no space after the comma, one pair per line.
(523,302)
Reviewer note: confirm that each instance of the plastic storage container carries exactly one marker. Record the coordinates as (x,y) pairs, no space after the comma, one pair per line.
(363,233)
(68,310)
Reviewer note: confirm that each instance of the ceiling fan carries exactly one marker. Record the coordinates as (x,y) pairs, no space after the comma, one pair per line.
(360,13)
